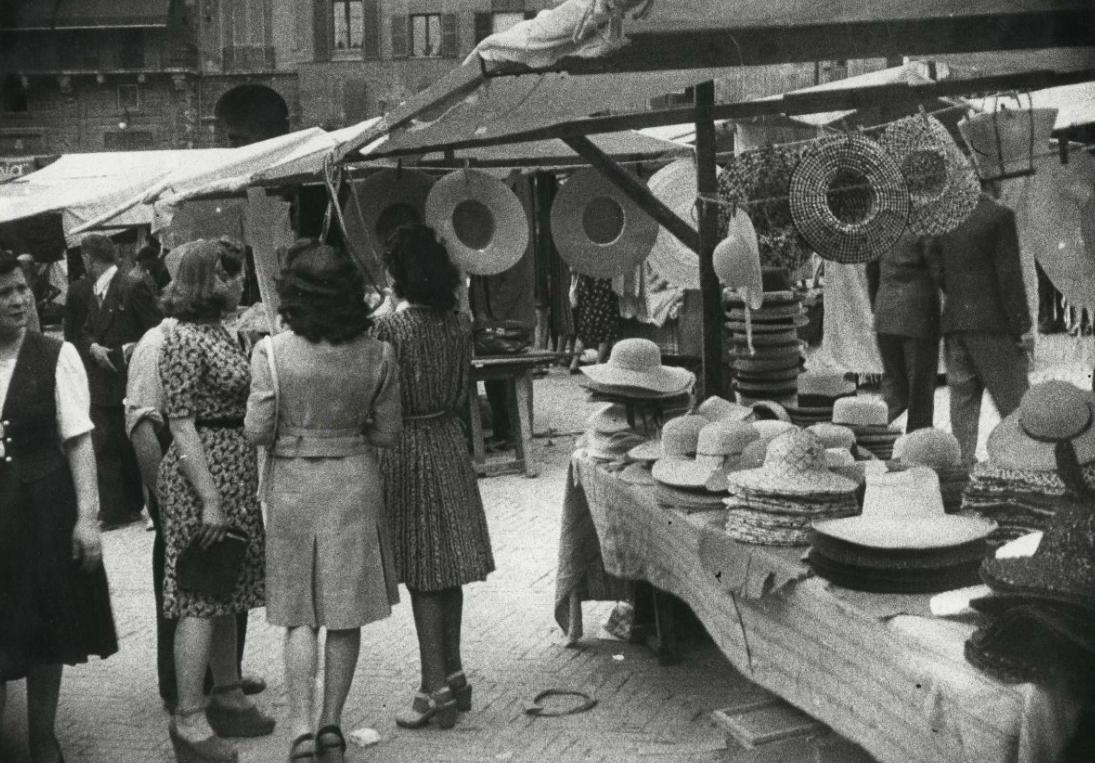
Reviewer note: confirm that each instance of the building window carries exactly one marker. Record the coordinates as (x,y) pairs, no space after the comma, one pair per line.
(349,24)
(426,35)
(129,97)
(14,98)
(131,49)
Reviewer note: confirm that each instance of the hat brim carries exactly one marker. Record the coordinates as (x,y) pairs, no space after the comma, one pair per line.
(637,474)
(758,327)
(509,236)
(675,186)
(380,195)
(663,379)
(813,482)
(647,452)
(1050,575)
(681,472)
(935,532)
(1009,447)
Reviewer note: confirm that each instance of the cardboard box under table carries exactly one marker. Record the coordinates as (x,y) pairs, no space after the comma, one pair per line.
(876,668)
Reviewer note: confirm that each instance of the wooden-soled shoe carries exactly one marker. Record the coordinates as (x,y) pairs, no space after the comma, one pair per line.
(236,722)
(438,705)
(461,690)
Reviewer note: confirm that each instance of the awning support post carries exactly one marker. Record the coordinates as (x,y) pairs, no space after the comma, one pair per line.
(710,290)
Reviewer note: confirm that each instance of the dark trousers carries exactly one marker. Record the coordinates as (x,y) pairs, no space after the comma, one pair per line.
(120,495)
(498,395)
(909,366)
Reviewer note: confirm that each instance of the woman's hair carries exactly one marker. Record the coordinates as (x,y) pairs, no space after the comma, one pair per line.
(322,294)
(420,267)
(9,263)
(199,291)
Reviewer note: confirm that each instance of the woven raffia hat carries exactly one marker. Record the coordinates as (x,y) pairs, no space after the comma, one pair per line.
(1049,413)
(736,261)
(943,187)
(849,199)
(928,447)
(675,186)
(598,230)
(482,222)
(638,363)
(794,464)
(760,181)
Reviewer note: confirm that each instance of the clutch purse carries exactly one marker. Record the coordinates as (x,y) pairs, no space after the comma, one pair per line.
(212,571)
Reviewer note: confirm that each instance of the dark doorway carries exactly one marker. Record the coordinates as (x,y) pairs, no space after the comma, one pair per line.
(250,113)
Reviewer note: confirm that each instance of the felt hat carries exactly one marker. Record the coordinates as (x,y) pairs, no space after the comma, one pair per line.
(943,189)
(1048,413)
(861,412)
(482,222)
(760,181)
(848,199)
(716,408)
(794,464)
(736,261)
(834,435)
(675,186)
(388,198)
(638,363)
(598,230)
(929,447)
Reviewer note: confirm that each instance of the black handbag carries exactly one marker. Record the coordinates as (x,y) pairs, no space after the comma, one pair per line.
(212,571)
(494,337)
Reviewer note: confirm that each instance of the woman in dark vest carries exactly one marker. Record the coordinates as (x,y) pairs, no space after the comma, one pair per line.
(54,602)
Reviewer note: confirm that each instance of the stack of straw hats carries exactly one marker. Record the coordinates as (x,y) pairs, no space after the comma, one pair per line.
(818,392)
(941,452)
(776,503)
(608,435)
(698,480)
(634,370)
(868,417)
(903,542)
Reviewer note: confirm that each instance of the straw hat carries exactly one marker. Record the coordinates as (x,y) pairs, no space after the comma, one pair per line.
(638,363)
(681,435)
(793,465)
(943,188)
(389,198)
(598,230)
(834,435)
(765,175)
(609,419)
(770,409)
(610,447)
(753,454)
(646,452)
(716,442)
(637,474)
(675,186)
(736,261)
(1048,413)
(481,220)
(928,447)
(848,199)
(831,385)
(839,458)
(716,408)
(861,412)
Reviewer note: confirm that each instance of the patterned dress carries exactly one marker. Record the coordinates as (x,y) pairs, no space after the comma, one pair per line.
(598,311)
(435,512)
(206,375)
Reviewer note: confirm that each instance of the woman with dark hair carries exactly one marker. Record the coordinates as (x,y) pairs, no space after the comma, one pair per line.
(324,397)
(208,483)
(54,602)
(436,516)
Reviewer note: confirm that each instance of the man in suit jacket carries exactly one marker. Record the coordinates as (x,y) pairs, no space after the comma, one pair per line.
(986,321)
(77,301)
(906,324)
(119,311)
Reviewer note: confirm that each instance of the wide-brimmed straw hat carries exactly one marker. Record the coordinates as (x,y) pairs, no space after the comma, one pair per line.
(1048,413)
(928,447)
(736,261)
(943,188)
(482,222)
(638,363)
(675,186)
(388,198)
(848,199)
(794,464)
(598,230)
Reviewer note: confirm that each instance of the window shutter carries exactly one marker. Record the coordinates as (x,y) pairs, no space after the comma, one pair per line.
(450,40)
(399,36)
(371,43)
(355,107)
(483,26)
(321,29)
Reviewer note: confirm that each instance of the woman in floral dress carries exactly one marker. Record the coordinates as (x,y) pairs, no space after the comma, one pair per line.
(207,484)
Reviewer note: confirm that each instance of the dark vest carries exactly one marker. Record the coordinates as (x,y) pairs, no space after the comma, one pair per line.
(32,444)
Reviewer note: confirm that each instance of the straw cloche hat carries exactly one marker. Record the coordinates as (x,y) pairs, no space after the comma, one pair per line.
(928,447)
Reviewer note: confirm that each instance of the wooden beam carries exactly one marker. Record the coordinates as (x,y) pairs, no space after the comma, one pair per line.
(636,190)
(710,290)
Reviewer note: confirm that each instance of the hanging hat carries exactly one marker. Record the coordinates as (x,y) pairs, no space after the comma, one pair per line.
(388,198)
(1048,413)
(760,181)
(928,447)
(638,363)
(736,261)
(481,221)
(943,188)
(793,464)
(675,186)
(1004,141)
(598,230)
(716,408)
(848,199)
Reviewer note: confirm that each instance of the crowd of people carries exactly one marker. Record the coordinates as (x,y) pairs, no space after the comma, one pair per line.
(343,430)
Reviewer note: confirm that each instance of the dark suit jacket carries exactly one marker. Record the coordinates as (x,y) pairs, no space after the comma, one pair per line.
(77,301)
(903,291)
(129,309)
(981,274)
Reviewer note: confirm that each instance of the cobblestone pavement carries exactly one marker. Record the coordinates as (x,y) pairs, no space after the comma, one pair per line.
(110,710)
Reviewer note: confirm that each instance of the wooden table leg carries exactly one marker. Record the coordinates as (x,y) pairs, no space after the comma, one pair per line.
(522,397)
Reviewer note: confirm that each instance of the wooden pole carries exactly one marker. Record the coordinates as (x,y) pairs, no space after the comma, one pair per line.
(710,290)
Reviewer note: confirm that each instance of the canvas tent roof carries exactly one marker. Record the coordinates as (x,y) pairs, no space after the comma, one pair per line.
(1075,104)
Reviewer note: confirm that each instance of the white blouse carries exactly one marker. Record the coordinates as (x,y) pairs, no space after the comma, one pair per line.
(71,393)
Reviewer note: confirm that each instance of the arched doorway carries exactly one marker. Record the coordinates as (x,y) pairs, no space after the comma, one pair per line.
(250,113)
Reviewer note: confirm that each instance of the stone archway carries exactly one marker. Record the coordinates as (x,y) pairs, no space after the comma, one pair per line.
(250,113)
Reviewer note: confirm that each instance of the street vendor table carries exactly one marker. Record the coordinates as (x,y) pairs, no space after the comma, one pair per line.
(878,669)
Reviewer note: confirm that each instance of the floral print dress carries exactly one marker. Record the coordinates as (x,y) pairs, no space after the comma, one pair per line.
(206,375)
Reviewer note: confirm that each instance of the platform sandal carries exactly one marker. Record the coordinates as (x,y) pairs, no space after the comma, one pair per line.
(461,690)
(212,749)
(303,748)
(438,705)
(330,752)
(232,722)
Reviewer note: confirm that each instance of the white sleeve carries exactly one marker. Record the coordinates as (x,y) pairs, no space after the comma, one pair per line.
(71,395)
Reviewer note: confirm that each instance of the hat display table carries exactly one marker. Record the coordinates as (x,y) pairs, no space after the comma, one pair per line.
(876,668)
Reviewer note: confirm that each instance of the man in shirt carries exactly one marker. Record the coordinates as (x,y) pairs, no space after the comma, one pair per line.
(119,312)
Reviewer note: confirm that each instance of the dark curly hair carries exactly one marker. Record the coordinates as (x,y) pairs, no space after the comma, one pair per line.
(422,271)
(198,291)
(322,294)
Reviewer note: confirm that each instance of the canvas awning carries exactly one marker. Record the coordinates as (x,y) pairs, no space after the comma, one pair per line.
(84,14)
(1075,104)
